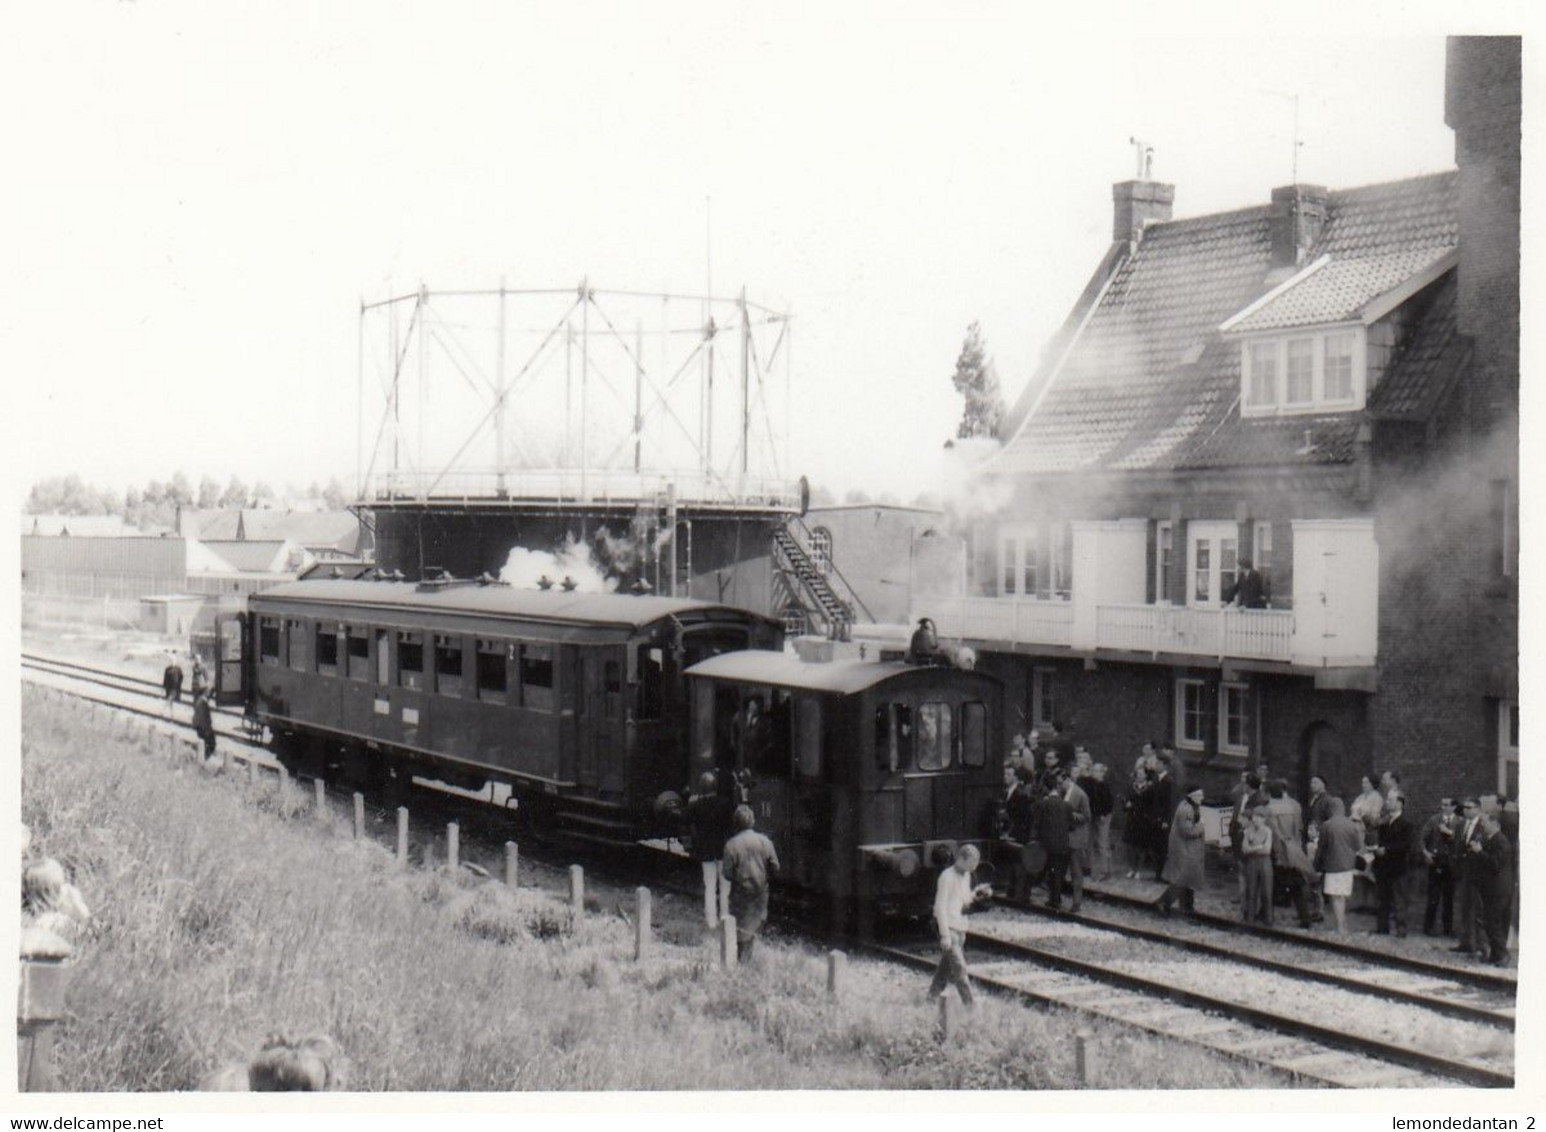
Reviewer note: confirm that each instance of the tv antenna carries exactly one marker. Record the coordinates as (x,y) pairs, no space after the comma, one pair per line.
(1297,144)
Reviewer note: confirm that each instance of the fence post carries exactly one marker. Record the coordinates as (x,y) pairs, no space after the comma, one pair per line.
(284,787)
(512,862)
(948,1016)
(453,846)
(252,771)
(577,890)
(402,835)
(1082,1057)
(359,815)
(319,798)
(837,963)
(641,936)
(38,1010)
(710,893)
(171,747)
(727,955)
(225,761)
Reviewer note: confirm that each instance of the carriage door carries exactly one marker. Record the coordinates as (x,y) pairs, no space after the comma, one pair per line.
(935,791)
(590,733)
(230,635)
(761,738)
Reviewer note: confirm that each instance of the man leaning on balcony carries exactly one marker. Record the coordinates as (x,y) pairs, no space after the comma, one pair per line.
(1249,590)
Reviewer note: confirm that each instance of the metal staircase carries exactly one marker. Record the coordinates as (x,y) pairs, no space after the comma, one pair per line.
(812,588)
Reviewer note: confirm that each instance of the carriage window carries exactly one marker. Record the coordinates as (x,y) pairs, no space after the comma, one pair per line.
(537,676)
(327,649)
(893,733)
(359,654)
(295,644)
(934,736)
(974,734)
(807,731)
(491,671)
(448,665)
(651,666)
(612,689)
(268,641)
(410,661)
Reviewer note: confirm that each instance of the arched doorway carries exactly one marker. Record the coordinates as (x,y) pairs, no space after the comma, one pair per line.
(1322,752)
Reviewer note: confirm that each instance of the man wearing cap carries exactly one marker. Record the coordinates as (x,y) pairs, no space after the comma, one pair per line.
(953,894)
(924,646)
(1183,871)
(748,863)
(1249,590)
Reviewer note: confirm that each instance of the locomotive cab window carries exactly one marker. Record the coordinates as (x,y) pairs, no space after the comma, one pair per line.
(974,734)
(268,641)
(935,737)
(537,676)
(295,644)
(808,736)
(359,654)
(410,661)
(492,676)
(327,650)
(448,665)
(893,736)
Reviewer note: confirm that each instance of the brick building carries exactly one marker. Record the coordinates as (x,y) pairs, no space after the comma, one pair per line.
(1326,384)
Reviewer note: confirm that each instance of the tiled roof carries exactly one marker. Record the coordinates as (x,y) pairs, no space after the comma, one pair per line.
(252,554)
(1151,383)
(1338,290)
(1419,373)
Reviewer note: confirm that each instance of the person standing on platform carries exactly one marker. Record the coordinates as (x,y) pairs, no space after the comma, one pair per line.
(1437,842)
(1183,872)
(748,864)
(1256,867)
(1391,858)
(708,828)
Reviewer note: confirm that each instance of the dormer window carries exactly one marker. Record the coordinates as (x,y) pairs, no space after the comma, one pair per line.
(1304,372)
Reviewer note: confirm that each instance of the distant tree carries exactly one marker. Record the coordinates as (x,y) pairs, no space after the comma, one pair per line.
(333,495)
(209,493)
(314,491)
(155,493)
(977,381)
(856,495)
(262,495)
(235,494)
(180,491)
(68,495)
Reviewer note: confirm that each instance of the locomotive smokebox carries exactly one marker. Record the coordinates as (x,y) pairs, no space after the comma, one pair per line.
(902,862)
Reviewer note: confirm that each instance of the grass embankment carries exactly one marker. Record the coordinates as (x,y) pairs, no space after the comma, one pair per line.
(221,917)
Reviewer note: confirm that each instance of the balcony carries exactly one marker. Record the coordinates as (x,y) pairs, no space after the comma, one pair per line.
(1333,624)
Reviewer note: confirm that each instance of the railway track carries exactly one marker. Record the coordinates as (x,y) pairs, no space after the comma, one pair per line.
(1018,970)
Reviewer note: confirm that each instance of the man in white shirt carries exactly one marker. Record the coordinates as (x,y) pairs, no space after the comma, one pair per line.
(952,896)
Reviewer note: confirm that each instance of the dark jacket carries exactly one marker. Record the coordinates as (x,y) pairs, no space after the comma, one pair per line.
(1250,589)
(1184,860)
(1438,846)
(203,721)
(1337,851)
(1099,794)
(1495,869)
(1162,802)
(1396,848)
(708,825)
(1319,809)
(172,679)
(1017,808)
(1051,819)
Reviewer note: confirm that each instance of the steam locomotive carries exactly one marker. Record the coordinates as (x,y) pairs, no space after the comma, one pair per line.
(594,708)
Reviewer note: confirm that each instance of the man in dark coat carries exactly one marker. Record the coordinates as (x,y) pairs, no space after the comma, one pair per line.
(1102,806)
(1162,805)
(1391,857)
(203,721)
(1290,866)
(1437,842)
(1249,590)
(1319,807)
(1495,886)
(708,828)
(1463,864)
(1183,871)
(1016,805)
(1051,824)
(172,684)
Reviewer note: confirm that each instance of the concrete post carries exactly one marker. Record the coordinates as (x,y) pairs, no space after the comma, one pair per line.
(512,862)
(39,1007)
(949,1016)
(577,890)
(319,798)
(1082,1057)
(641,937)
(453,846)
(359,815)
(402,835)
(727,954)
(252,771)
(225,761)
(837,963)
(284,787)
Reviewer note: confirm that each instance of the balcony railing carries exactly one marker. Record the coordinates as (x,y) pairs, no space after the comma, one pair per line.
(1255,634)
(593,485)
(1014,620)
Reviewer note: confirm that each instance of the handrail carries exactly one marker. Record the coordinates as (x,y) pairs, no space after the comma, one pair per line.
(853,595)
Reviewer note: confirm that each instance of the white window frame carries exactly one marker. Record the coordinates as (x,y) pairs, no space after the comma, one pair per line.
(1247,718)
(1043,680)
(1215,533)
(1507,752)
(1016,549)
(1163,530)
(1319,402)
(821,550)
(1183,741)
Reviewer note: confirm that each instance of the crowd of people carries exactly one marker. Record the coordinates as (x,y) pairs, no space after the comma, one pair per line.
(1054,823)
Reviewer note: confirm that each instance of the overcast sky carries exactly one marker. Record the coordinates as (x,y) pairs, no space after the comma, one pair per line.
(207,191)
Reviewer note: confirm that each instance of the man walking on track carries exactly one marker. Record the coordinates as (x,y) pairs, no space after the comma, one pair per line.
(953,894)
(748,862)
(172,684)
(204,722)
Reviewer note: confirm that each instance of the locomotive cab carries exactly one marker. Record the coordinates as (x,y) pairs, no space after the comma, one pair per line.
(861,772)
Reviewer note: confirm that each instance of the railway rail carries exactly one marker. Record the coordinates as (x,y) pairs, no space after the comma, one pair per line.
(1038,975)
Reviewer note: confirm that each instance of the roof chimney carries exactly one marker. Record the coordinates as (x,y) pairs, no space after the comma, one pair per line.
(1298,215)
(1139,204)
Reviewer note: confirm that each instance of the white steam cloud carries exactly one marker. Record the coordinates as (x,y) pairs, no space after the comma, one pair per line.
(574,559)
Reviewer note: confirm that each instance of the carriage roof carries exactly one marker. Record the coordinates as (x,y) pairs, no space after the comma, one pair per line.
(497,601)
(843,677)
